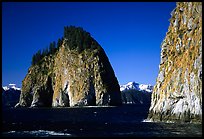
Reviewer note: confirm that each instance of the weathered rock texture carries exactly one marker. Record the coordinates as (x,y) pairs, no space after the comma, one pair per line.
(71,78)
(177,95)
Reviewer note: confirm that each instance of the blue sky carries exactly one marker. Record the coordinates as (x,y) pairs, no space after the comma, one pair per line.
(129,32)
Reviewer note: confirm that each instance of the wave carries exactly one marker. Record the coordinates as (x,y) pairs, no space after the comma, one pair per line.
(39,133)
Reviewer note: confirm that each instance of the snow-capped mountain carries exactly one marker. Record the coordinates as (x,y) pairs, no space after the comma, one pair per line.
(136,86)
(132,93)
(10,95)
(13,86)
(135,93)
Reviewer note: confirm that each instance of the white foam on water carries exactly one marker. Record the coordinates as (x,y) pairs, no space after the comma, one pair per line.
(40,133)
(147,120)
(150,121)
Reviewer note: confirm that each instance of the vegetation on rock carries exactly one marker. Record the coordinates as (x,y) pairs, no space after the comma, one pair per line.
(76,72)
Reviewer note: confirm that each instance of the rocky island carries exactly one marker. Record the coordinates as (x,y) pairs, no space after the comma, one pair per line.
(177,95)
(75,73)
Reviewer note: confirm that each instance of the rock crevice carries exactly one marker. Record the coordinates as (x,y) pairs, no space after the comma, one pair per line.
(72,76)
(177,95)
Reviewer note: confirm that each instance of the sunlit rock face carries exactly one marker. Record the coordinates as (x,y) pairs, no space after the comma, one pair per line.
(177,95)
(80,76)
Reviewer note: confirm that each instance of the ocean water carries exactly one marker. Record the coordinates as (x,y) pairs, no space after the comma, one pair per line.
(121,121)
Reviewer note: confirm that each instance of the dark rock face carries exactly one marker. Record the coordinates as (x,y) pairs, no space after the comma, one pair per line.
(77,74)
(177,95)
(43,95)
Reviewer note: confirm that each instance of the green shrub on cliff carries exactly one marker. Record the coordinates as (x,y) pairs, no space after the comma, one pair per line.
(78,39)
(75,39)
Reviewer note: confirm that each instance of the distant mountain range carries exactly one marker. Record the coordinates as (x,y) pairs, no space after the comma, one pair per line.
(132,93)
(136,86)
(11,86)
(135,93)
(10,95)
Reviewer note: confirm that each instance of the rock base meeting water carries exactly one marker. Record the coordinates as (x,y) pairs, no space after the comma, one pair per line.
(120,121)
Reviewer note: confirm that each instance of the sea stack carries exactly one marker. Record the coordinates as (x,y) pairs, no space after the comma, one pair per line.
(77,73)
(177,95)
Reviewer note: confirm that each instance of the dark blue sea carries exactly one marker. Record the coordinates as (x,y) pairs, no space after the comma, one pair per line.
(121,121)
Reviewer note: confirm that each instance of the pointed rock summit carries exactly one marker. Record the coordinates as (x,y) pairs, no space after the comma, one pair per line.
(75,73)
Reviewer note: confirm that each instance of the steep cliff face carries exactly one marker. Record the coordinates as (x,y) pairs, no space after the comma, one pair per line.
(72,76)
(177,95)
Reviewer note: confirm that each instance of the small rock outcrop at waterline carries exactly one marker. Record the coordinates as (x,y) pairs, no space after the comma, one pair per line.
(75,73)
(177,95)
